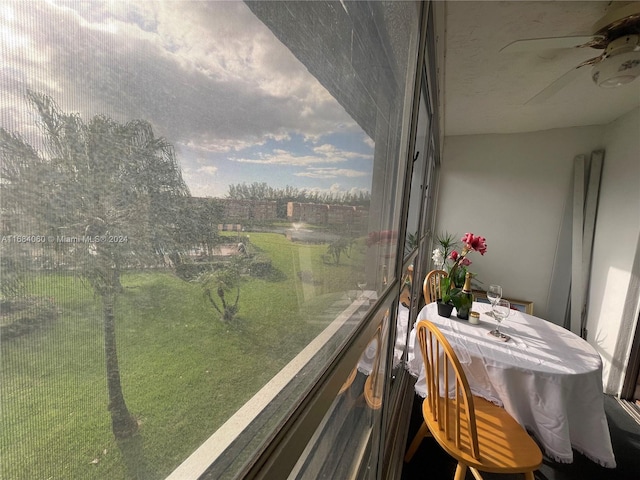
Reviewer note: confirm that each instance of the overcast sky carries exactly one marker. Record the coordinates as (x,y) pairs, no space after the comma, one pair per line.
(209,76)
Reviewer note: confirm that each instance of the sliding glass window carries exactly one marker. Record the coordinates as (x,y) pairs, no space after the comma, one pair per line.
(200,213)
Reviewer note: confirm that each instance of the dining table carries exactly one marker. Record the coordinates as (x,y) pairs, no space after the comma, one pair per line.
(546,377)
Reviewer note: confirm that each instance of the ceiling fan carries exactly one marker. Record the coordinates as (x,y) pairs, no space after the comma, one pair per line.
(617,34)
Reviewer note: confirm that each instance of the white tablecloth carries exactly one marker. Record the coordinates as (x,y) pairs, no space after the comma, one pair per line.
(547,378)
(365,365)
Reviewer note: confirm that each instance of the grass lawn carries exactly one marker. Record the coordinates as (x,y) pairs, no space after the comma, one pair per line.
(184,372)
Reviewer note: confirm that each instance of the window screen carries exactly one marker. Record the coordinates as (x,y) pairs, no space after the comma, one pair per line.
(196,197)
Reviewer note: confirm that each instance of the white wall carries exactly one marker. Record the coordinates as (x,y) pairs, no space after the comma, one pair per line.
(614,297)
(512,189)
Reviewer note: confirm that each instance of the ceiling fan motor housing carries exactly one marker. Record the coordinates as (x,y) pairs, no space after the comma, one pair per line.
(620,64)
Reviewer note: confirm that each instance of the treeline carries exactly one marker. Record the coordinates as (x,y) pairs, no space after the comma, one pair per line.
(262,191)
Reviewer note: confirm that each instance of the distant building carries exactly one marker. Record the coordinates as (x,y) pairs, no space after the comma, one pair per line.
(314,213)
(235,211)
(322,214)
(248,210)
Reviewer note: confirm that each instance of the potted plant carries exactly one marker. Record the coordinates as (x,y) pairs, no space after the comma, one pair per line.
(445,304)
(455,264)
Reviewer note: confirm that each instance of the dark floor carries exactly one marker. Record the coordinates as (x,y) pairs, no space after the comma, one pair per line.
(431,462)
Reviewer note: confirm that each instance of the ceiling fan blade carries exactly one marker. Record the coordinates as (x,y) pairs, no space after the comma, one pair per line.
(562,82)
(537,44)
(592,61)
(618,17)
(555,87)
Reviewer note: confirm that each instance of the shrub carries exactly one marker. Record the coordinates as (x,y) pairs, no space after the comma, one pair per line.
(21,316)
(260,266)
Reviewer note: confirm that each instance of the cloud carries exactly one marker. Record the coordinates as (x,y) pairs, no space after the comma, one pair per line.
(331,151)
(208,169)
(209,76)
(203,144)
(282,157)
(369,141)
(206,72)
(204,181)
(325,154)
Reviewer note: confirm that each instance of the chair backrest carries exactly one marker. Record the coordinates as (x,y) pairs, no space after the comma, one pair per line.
(373,386)
(449,398)
(407,282)
(431,286)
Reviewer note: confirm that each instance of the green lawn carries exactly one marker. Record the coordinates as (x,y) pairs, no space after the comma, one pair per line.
(184,372)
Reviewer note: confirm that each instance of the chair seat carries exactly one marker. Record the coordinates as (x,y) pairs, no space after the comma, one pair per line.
(505,447)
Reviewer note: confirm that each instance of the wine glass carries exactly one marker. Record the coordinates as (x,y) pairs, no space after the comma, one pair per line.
(362,284)
(501,310)
(494,294)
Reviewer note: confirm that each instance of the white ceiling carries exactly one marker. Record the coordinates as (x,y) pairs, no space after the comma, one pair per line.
(485,91)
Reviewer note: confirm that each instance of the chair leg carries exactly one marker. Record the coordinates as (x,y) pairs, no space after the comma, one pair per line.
(528,476)
(461,471)
(476,473)
(415,443)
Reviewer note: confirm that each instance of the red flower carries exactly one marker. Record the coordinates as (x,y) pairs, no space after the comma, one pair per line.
(479,244)
(457,269)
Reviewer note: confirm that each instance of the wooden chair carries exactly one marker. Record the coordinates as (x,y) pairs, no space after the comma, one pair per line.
(431,286)
(374,384)
(347,383)
(407,282)
(480,435)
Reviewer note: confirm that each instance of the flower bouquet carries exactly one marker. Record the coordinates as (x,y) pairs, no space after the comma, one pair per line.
(455,263)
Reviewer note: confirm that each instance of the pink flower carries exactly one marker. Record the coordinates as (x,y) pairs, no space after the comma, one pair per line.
(457,268)
(479,244)
(467,239)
